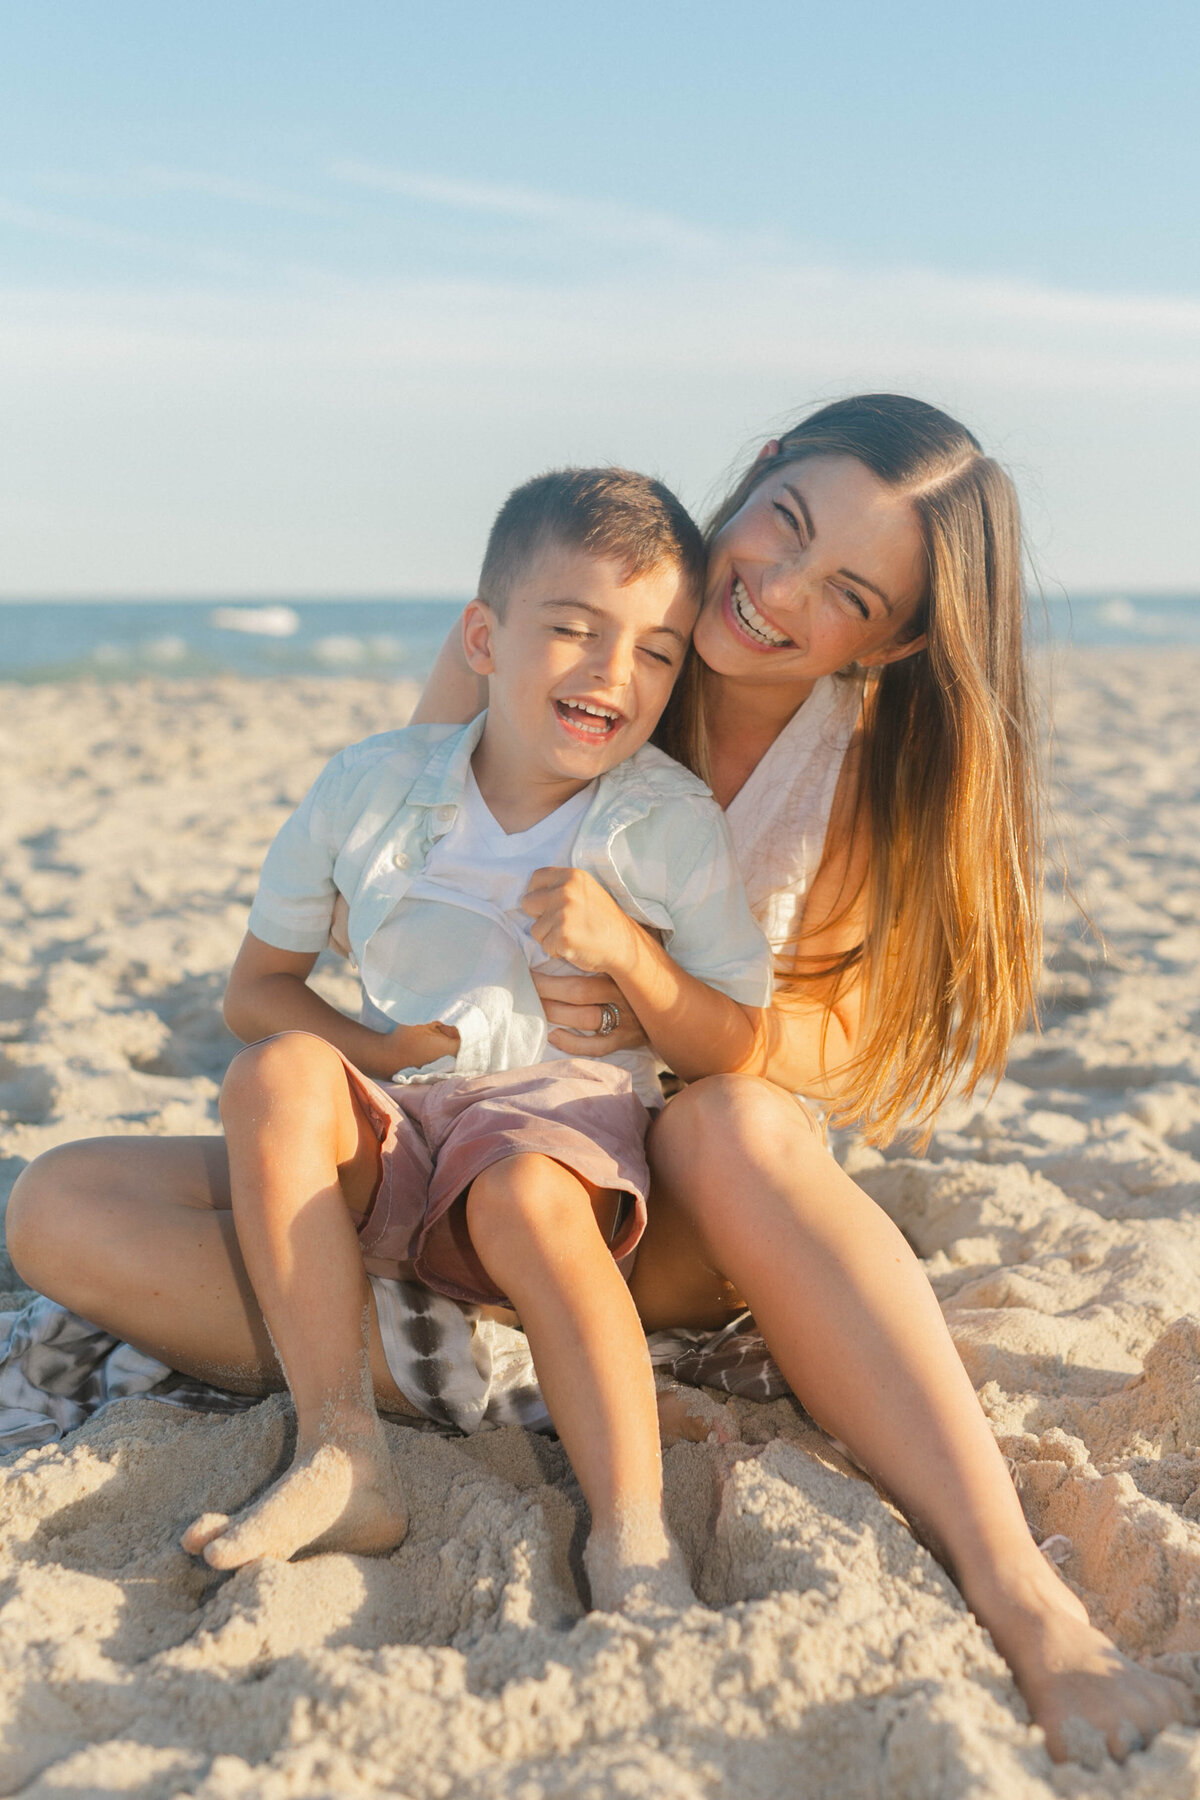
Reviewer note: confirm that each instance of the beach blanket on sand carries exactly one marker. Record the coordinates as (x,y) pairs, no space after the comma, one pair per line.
(463,1373)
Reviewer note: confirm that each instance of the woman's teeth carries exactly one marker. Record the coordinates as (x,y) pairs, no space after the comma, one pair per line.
(596,721)
(753,621)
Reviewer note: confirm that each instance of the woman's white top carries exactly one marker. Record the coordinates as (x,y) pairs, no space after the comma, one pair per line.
(779,818)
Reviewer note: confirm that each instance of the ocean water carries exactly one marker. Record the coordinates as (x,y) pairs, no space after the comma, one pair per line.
(107,640)
(112,640)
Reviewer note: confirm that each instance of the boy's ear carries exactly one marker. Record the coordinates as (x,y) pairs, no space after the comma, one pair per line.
(478,627)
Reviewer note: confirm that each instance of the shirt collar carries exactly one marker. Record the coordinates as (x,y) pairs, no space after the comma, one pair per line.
(442,780)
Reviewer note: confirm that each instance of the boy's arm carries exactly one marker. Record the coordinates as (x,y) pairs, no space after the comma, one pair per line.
(695,1028)
(268,993)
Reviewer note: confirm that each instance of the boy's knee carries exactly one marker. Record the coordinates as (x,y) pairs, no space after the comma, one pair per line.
(275,1066)
(523,1197)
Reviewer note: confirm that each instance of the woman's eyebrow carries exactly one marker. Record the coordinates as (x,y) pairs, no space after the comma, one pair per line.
(802,503)
(861,580)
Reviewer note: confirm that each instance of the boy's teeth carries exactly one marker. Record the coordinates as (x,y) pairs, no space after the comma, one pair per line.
(753,620)
(605,717)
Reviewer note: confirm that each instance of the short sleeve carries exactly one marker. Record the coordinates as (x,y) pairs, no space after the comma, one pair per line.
(716,937)
(293,906)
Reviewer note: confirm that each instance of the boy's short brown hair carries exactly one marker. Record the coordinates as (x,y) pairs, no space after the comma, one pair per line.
(606,513)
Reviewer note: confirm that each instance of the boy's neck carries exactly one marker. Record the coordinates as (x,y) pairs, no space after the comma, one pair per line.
(517,795)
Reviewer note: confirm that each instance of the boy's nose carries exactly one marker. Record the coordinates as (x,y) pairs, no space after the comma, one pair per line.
(613,663)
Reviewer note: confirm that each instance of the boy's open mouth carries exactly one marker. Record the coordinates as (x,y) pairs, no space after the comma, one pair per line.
(585,719)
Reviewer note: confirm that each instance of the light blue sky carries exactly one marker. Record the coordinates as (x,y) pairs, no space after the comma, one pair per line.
(292,294)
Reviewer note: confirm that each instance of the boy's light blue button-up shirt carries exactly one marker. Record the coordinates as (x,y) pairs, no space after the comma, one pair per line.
(653,836)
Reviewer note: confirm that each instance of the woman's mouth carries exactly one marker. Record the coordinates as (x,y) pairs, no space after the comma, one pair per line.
(756,628)
(588,720)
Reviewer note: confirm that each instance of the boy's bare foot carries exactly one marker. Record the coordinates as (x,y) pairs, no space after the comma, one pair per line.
(336,1496)
(1078,1687)
(634,1564)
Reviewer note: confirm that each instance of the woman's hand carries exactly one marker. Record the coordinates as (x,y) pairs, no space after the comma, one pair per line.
(573,1006)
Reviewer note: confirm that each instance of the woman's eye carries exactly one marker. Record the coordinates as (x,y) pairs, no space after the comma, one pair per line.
(659,657)
(785,512)
(856,601)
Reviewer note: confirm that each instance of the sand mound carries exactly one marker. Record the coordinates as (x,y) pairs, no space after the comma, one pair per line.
(829,1655)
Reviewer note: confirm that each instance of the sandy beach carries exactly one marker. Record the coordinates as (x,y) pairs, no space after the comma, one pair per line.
(831,1656)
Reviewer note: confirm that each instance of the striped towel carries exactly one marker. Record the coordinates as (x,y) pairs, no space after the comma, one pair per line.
(461,1372)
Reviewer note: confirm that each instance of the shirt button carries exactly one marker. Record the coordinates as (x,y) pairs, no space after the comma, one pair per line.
(445,814)
(400,861)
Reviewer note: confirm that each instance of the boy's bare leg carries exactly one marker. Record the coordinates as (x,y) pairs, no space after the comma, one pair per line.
(300,1153)
(745,1187)
(540,1233)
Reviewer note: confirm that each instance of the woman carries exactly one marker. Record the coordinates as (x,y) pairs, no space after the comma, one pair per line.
(887,836)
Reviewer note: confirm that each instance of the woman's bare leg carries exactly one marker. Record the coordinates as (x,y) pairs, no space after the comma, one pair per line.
(746,1194)
(301,1153)
(137,1235)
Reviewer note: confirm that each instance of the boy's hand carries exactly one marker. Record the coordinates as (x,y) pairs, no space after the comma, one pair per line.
(412,1046)
(575,919)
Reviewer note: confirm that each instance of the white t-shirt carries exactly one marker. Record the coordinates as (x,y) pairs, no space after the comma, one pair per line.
(477,860)
(484,871)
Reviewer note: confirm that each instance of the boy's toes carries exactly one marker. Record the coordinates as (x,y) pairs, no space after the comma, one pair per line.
(201,1532)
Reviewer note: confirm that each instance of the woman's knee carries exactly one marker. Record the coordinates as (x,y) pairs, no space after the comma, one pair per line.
(38,1221)
(733,1115)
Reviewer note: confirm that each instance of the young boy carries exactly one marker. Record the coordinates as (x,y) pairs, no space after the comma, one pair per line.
(447,1139)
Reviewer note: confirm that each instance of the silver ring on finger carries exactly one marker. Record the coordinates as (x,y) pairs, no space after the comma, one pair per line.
(610,1018)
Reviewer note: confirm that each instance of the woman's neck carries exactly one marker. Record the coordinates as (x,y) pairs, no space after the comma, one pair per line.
(743,719)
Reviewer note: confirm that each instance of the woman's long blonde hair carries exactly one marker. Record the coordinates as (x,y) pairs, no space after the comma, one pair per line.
(948,791)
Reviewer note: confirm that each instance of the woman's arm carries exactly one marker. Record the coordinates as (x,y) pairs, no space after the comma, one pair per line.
(268,993)
(454,693)
(802,1042)
(696,1028)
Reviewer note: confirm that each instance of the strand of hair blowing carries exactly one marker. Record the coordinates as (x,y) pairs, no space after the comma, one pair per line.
(953,940)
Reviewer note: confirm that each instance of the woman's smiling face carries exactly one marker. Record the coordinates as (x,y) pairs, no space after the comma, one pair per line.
(823,565)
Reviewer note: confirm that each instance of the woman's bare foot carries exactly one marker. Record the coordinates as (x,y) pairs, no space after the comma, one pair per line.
(337,1495)
(687,1413)
(1084,1694)
(635,1563)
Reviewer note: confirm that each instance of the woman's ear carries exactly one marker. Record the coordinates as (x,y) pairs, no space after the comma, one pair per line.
(770,448)
(893,652)
(478,628)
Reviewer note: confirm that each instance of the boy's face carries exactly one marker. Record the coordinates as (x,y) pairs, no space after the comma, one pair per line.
(580,667)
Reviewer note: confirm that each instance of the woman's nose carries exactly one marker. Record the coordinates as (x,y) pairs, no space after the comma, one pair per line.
(784,585)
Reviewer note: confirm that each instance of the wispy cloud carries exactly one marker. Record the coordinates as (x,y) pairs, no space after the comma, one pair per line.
(282,414)
(43,223)
(155,178)
(609,220)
